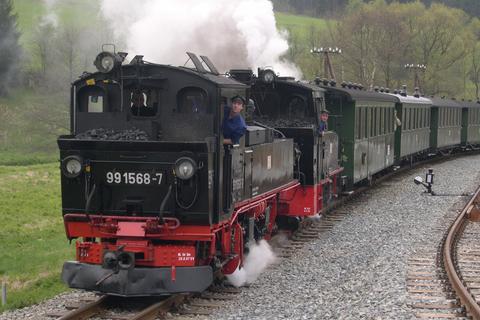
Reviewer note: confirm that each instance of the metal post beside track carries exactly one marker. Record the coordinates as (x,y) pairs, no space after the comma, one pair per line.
(4,293)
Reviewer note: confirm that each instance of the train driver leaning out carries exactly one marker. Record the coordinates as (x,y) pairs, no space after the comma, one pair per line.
(233,126)
(323,124)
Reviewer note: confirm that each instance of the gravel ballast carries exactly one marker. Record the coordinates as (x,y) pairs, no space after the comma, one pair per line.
(357,270)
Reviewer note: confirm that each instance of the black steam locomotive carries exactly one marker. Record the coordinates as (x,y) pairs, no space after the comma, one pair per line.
(155,200)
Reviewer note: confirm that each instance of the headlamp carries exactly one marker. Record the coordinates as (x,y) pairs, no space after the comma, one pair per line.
(72,166)
(185,168)
(268,76)
(107,61)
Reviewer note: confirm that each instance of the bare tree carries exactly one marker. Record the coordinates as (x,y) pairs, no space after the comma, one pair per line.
(68,48)
(9,46)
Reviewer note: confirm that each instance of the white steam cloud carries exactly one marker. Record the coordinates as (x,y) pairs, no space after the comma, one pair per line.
(233,34)
(50,18)
(259,257)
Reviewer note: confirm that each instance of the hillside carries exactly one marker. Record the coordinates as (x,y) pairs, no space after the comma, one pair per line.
(31,224)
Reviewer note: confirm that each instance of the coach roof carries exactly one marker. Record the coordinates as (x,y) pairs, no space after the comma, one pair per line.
(445,103)
(363,95)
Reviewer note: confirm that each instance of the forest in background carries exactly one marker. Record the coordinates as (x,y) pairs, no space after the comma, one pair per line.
(379,38)
(49,46)
(327,8)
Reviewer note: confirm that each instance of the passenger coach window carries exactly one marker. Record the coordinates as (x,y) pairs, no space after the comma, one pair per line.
(382,121)
(419,118)
(370,121)
(357,123)
(192,100)
(363,124)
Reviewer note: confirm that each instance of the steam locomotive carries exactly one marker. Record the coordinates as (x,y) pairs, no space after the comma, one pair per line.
(158,204)
(155,200)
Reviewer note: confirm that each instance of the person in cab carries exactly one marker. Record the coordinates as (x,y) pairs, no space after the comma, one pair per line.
(138,107)
(234,125)
(323,124)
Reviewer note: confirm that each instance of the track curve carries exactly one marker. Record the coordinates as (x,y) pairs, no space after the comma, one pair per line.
(457,283)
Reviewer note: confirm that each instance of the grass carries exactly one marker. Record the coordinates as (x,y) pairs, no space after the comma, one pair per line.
(300,24)
(18,158)
(33,240)
(32,123)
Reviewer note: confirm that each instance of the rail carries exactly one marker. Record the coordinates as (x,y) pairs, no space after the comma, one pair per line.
(461,290)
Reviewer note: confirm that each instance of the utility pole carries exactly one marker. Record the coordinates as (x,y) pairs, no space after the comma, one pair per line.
(327,64)
(416,68)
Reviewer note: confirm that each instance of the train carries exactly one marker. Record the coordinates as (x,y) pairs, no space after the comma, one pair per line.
(157,204)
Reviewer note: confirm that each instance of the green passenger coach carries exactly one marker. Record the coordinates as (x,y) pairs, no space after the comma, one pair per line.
(365,121)
(412,136)
(446,123)
(470,123)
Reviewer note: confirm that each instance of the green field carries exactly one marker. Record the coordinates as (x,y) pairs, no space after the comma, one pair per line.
(299,24)
(32,236)
(30,127)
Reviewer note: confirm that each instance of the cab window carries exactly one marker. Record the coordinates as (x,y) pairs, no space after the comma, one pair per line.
(297,107)
(192,100)
(143,102)
(91,99)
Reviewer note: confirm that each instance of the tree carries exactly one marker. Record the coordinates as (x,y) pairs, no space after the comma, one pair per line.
(438,39)
(68,41)
(43,50)
(9,47)
(473,47)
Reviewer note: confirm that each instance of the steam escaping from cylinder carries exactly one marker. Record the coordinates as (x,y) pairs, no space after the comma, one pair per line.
(233,34)
(259,257)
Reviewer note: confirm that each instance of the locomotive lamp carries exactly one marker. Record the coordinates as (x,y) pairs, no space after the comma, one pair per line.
(72,166)
(108,61)
(185,168)
(266,75)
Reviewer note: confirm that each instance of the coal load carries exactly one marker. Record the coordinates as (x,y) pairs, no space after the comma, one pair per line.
(110,134)
(286,122)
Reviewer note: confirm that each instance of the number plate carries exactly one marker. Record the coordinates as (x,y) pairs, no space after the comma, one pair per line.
(134,178)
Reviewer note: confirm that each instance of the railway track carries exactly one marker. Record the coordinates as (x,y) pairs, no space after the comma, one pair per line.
(445,283)
(437,293)
(115,308)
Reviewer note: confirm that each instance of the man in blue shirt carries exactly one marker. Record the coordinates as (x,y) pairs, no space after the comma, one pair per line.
(233,126)
(323,124)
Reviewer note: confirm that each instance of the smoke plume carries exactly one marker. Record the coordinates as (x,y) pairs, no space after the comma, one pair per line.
(50,18)
(259,257)
(234,34)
